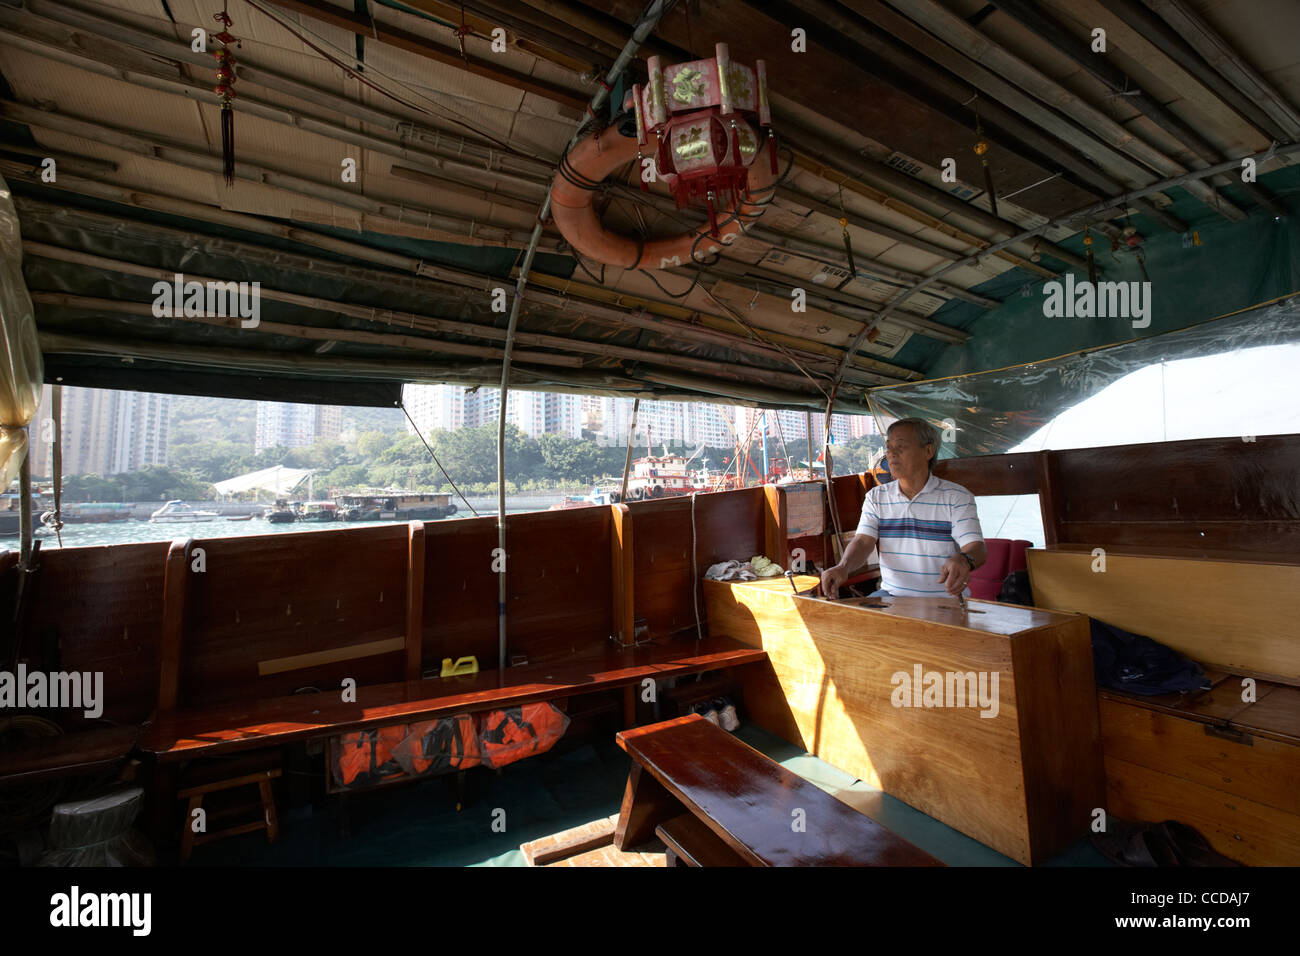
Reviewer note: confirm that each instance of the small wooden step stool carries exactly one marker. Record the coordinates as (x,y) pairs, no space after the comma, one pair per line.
(270,822)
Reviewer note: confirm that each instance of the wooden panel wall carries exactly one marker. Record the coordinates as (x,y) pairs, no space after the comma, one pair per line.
(266,599)
(727,525)
(993,474)
(1024,781)
(1207,497)
(103,606)
(558,576)
(1237,616)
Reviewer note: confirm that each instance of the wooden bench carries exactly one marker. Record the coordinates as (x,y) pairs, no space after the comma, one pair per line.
(86,751)
(1216,759)
(183,734)
(762,813)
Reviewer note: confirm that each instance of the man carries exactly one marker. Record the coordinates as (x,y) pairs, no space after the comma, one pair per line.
(926,529)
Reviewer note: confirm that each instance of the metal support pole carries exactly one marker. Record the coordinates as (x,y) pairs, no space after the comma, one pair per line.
(644,27)
(627,462)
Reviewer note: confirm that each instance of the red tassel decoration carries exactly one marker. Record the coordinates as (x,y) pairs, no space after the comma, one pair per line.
(771,138)
(713,217)
(225,90)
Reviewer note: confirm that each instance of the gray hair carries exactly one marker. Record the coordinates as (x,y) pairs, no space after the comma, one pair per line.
(923,432)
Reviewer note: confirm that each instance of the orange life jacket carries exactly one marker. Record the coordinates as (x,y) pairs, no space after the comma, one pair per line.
(367,756)
(434,745)
(517,732)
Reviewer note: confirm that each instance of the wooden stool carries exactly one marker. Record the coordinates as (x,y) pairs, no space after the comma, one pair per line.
(269,822)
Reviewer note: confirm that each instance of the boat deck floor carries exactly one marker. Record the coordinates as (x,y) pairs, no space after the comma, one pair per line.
(418,824)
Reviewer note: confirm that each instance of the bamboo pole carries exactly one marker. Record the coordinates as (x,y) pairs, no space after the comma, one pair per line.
(152,147)
(610,315)
(961,35)
(155,47)
(1088,213)
(415,343)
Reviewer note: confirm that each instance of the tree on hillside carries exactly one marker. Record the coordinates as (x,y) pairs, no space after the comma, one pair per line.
(371,444)
(156,483)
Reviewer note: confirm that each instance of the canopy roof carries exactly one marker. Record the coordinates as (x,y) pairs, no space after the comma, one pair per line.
(278,479)
(387,279)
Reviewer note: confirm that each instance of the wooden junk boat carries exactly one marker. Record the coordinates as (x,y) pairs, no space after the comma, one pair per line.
(306,667)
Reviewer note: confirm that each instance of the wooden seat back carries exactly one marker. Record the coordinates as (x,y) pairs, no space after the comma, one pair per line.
(1235,615)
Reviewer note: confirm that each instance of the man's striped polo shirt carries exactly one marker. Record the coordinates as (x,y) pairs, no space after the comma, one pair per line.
(914,538)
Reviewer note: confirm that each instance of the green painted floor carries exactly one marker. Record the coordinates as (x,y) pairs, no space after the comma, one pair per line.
(418,825)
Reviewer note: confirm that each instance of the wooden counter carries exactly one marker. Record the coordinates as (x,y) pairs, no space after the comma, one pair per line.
(1025,779)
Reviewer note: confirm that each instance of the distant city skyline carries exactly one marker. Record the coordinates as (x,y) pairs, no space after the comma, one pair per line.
(109,432)
(448,407)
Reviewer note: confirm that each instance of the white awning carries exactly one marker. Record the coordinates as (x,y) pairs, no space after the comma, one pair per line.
(278,479)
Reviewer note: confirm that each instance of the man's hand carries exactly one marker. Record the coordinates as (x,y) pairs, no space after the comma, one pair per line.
(832,579)
(955,574)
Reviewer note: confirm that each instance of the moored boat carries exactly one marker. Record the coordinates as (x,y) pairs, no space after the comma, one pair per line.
(394,505)
(177,511)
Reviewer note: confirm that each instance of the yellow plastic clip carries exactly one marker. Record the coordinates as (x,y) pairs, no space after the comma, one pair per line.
(463,665)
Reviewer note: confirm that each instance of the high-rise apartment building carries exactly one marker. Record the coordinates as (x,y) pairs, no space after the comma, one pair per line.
(434,407)
(788,426)
(448,407)
(105,431)
(282,425)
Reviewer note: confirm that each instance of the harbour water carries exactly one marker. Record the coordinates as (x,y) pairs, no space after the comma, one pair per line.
(1001,517)
(81,535)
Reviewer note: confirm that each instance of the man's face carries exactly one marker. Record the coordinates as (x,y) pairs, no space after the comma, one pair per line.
(904,453)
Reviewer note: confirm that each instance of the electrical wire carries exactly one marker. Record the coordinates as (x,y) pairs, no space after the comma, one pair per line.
(450,114)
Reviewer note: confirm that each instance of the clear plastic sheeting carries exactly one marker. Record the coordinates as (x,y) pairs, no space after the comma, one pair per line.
(1232,376)
(20,360)
(97,832)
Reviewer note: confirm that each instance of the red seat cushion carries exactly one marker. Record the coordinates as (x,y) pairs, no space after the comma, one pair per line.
(1005,556)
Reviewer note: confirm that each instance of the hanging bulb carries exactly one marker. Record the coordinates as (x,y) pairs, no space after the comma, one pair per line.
(1092,263)
(848,248)
(981,150)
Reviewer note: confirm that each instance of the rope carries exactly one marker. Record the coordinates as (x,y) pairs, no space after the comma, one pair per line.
(695,574)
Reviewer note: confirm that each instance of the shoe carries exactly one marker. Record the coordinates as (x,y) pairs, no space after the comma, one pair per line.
(727,716)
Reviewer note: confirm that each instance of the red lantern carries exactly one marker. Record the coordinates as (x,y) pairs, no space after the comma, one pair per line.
(704,114)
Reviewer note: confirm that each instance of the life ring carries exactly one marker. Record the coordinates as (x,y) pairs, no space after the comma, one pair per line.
(593,159)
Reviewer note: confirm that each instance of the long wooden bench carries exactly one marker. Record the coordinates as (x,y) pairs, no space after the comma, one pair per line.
(763,813)
(184,734)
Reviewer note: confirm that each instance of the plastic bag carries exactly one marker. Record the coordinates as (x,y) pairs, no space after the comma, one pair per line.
(97,832)
(21,368)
